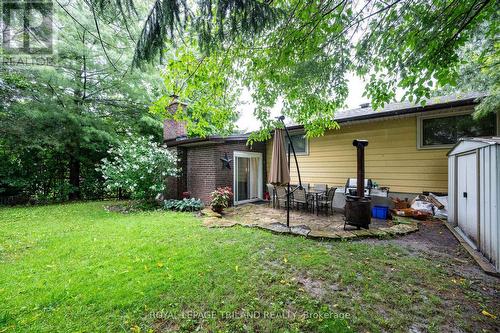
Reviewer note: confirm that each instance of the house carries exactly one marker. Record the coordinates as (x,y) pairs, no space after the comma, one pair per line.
(407,151)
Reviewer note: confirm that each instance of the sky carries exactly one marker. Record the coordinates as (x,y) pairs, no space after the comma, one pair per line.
(247,121)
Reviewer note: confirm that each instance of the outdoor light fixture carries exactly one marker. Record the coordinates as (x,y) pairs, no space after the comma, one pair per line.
(226,161)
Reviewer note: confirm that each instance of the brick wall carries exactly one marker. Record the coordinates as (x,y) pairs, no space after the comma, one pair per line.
(182,166)
(177,185)
(202,170)
(224,176)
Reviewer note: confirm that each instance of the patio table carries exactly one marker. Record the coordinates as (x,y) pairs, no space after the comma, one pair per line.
(315,194)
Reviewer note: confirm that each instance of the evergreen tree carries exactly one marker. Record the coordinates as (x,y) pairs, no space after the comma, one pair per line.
(58,121)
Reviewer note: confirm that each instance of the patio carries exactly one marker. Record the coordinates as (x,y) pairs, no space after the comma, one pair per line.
(303,223)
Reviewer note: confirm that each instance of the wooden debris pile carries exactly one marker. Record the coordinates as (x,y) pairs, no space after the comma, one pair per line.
(421,207)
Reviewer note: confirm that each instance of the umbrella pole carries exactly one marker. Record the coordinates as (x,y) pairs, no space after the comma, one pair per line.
(292,149)
(290,144)
(288,191)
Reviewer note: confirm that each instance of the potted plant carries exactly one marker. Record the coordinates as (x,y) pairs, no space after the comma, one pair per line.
(221,198)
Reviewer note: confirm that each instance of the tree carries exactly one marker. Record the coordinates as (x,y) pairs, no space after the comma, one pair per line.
(301,52)
(198,80)
(478,69)
(59,121)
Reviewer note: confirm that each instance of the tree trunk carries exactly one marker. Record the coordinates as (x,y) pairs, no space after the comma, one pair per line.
(74,178)
(74,161)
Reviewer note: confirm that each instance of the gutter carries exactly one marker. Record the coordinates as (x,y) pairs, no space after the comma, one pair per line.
(208,139)
(415,109)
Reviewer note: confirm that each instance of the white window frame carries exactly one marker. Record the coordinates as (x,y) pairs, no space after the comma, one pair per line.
(294,133)
(260,175)
(420,127)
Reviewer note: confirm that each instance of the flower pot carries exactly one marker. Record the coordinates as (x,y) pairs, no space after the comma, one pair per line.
(217,209)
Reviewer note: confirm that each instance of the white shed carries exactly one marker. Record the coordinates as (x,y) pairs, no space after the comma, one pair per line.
(474,194)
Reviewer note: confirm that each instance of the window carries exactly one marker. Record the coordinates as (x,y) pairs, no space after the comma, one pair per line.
(437,132)
(299,142)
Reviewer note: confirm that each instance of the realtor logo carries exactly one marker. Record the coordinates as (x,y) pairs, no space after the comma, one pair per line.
(27,28)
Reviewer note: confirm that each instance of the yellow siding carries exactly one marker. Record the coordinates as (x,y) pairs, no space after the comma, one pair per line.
(392,158)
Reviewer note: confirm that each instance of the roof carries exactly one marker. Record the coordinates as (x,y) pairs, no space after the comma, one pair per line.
(408,107)
(468,144)
(362,113)
(491,140)
(404,108)
(212,139)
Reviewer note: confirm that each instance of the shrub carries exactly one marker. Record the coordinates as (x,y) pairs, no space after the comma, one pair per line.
(221,198)
(138,166)
(184,205)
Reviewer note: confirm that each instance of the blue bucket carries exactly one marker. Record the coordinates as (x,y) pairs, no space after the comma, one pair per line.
(380,212)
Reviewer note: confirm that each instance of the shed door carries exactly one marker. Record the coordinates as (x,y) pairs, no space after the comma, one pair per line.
(467,196)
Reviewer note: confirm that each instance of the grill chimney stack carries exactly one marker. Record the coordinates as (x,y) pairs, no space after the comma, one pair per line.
(360,145)
(358,207)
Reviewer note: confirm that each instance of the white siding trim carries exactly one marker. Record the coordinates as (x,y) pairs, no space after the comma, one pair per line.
(421,118)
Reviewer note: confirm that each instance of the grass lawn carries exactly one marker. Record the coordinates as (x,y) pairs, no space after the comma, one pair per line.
(79,268)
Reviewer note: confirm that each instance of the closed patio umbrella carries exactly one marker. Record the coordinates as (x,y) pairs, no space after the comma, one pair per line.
(280,172)
(280,164)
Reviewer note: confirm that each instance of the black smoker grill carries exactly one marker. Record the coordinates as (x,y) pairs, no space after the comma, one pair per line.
(358,207)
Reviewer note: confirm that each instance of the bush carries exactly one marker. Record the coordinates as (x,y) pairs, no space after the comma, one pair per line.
(184,205)
(140,167)
(221,198)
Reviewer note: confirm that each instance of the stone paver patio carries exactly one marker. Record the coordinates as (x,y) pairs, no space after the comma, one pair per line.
(302,223)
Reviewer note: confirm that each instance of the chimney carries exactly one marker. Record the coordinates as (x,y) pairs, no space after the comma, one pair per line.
(173,129)
(364,105)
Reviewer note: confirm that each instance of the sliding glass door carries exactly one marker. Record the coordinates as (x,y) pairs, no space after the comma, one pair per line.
(247,177)
(242,178)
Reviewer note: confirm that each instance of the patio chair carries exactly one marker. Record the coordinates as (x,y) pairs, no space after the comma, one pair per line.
(327,201)
(281,193)
(300,199)
(305,186)
(272,194)
(320,187)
